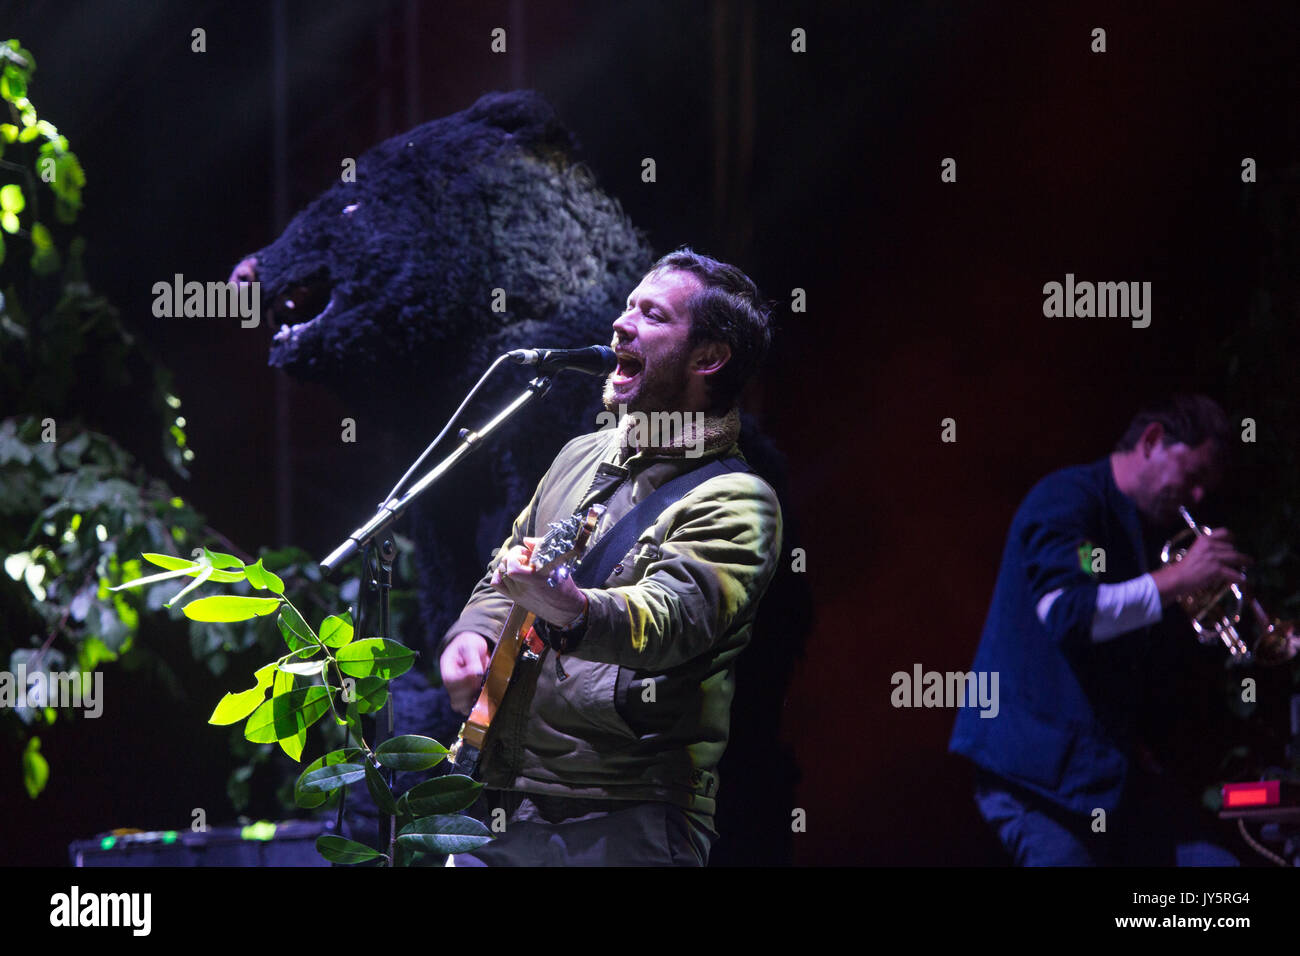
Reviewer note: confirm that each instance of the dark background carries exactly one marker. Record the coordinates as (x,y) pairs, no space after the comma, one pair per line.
(818,171)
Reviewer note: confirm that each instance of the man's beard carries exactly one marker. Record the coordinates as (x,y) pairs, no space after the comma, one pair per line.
(1160,512)
(659,388)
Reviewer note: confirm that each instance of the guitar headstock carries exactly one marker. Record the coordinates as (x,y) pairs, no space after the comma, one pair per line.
(565,540)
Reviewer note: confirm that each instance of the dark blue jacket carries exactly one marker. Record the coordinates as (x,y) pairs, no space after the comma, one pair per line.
(1067,704)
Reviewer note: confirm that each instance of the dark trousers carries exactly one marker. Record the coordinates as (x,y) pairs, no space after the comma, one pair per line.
(1153,827)
(537,830)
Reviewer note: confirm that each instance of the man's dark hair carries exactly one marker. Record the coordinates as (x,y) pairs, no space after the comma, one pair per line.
(727,309)
(1190,419)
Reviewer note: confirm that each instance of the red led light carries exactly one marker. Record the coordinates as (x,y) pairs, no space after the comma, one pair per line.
(1265,793)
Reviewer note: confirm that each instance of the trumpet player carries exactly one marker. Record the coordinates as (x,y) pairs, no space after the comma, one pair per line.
(1067,632)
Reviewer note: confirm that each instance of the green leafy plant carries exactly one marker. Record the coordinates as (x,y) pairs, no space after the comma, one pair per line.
(56,164)
(331,671)
(71,499)
(75,505)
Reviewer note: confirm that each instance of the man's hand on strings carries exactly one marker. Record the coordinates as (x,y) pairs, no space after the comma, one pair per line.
(552,596)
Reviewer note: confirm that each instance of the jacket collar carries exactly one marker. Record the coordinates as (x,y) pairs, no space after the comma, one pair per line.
(676,435)
(1126,508)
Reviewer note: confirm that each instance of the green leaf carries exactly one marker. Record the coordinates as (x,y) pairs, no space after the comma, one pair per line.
(45,261)
(9,131)
(303,668)
(170,562)
(173,563)
(336,630)
(13,85)
(284,716)
(325,779)
(92,652)
(12,198)
(371,694)
(375,657)
(293,746)
(41,236)
(263,579)
(284,681)
(227,607)
(410,752)
(447,794)
(220,560)
(444,833)
(235,707)
(36,769)
(297,634)
(337,849)
(309,799)
(378,788)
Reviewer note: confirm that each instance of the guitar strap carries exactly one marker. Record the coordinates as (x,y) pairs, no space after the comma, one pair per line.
(599,561)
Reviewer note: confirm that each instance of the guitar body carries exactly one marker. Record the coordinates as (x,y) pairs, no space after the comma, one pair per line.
(564,542)
(501,668)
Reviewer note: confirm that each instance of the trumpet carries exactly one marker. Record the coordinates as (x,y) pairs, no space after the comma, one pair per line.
(1217,613)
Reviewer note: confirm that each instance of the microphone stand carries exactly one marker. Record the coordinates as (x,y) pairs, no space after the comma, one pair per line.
(373,534)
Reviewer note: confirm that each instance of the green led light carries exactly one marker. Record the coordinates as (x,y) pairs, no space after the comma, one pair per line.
(107,843)
(261,830)
(170,836)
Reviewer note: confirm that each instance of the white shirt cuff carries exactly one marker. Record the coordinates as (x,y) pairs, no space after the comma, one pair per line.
(1121,607)
(1126,607)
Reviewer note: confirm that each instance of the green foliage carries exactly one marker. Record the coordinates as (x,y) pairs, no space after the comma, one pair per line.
(49,163)
(72,500)
(235,707)
(342,673)
(410,752)
(36,771)
(337,849)
(444,833)
(439,795)
(375,657)
(68,510)
(74,504)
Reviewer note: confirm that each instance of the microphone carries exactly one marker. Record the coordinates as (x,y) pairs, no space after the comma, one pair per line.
(593,360)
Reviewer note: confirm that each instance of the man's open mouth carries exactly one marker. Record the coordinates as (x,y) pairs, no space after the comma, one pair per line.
(629,367)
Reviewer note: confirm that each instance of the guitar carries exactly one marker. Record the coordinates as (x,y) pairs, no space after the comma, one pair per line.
(565,542)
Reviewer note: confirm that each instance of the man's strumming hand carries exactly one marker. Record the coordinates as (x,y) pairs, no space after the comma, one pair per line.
(463,665)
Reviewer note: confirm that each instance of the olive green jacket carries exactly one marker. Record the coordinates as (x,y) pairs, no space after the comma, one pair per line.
(644,710)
